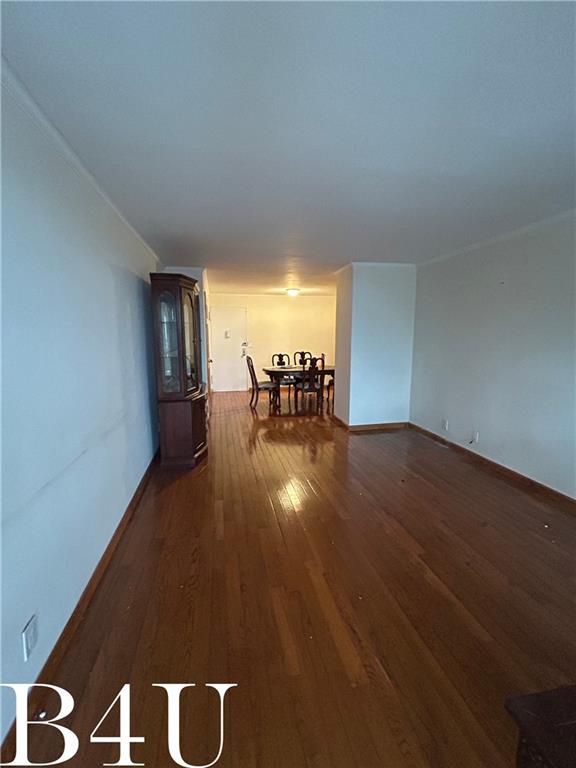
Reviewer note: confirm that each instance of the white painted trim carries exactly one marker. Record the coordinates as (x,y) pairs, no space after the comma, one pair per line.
(340,269)
(15,89)
(503,238)
(475,452)
(282,295)
(380,263)
(12,86)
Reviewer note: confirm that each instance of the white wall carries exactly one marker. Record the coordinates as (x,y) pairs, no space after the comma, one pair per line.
(494,351)
(379,321)
(279,323)
(79,426)
(343,343)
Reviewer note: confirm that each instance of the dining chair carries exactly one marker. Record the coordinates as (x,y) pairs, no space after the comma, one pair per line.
(281,359)
(311,381)
(272,387)
(330,385)
(301,357)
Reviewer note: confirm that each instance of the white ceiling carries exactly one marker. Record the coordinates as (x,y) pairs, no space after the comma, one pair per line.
(275,142)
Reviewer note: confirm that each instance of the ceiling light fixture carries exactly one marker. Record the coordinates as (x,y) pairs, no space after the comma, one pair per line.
(292,291)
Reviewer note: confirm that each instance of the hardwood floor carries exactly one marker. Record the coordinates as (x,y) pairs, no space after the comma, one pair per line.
(375,596)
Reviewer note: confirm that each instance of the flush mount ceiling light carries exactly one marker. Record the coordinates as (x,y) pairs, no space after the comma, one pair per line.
(292,291)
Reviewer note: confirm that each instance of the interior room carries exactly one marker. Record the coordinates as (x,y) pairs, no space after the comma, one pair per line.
(289,384)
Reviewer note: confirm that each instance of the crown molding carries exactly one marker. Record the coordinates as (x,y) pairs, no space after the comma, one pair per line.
(510,235)
(403,264)
(16,90)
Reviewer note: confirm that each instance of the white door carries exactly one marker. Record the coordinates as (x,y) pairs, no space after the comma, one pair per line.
(228,349)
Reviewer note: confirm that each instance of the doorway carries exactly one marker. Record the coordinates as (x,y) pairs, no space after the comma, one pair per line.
(228,349)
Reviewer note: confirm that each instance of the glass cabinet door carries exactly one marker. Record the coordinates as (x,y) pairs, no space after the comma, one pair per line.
(169,357)
(190,341)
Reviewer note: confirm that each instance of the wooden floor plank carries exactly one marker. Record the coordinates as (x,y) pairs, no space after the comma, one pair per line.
(375,597)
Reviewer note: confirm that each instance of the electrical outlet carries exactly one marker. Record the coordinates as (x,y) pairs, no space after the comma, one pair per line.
(445,425)
(475,437)
(29,637)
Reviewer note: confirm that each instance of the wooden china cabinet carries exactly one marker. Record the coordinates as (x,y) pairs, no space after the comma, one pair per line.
(181,392)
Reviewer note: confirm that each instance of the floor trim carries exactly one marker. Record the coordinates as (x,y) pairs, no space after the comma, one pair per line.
(48,672)
(371,427)
(494,465)
(378,427)
(500,468)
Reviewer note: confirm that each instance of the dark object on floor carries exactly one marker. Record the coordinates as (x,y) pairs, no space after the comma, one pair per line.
(547,723)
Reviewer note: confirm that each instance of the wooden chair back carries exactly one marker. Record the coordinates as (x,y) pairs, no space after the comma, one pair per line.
(300,358)
(311,380)
(281,358)
(253,377)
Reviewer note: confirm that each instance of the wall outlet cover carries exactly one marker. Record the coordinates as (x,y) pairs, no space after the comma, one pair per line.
(445,425)
(29,637)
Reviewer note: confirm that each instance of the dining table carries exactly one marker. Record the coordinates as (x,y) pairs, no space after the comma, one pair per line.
(278,372)
(297,371)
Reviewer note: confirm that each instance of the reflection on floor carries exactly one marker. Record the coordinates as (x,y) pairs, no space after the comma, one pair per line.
(375,596)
